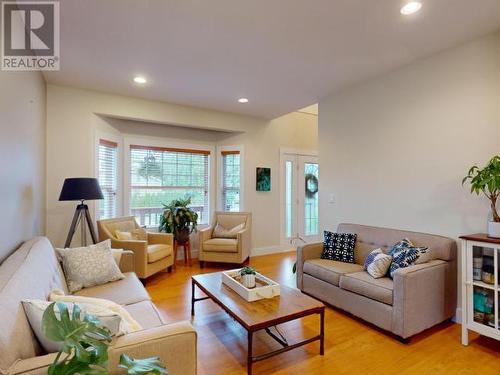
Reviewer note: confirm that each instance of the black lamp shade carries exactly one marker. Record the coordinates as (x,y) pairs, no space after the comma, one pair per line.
(79,189)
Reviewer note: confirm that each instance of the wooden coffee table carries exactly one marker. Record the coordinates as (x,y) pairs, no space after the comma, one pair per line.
(262,314)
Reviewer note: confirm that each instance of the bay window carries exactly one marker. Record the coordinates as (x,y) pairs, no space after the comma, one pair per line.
(159,175)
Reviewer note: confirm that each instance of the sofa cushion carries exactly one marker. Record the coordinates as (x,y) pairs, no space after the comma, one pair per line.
(221,245)
(146,314)
(329,270)
(363,284)
(124,292)
(31,272)
(157,252)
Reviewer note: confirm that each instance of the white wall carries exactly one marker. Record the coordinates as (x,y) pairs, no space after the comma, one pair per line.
(22,158)
(74,116)
(393,151)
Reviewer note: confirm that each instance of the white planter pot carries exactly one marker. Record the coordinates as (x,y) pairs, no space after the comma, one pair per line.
(248,281)
(493,229)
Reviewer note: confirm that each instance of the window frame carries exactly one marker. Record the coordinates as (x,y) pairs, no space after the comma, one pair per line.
(118,140)
(163,143)
(220,175)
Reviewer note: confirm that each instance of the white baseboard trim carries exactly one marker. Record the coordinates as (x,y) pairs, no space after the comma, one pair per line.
(270,250)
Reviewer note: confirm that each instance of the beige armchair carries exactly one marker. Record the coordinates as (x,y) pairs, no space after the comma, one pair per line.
(226,250)
(152,255)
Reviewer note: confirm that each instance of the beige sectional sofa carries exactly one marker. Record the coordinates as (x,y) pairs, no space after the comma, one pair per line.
(418,297)
(33,271)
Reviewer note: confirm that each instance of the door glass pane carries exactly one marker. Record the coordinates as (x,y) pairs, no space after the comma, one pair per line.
(311,219)
(288,198)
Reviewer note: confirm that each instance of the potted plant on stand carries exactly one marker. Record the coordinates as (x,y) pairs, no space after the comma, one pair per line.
(179,219)
(487,181)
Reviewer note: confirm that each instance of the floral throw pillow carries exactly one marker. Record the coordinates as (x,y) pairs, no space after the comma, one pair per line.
(339,247)
(404,254)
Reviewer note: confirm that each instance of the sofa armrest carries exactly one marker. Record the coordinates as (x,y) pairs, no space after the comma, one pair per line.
(305,252)
(424,295)
(174,343)
(244,242)
(160,238)
(140,249)
(127,261)
(33,366)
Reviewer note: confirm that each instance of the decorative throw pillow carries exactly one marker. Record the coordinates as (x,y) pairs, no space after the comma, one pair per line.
(221,232)
(34,310)
(138,234)
(404,254)
(89,266)
(339,247)
(96,306)
(377,263)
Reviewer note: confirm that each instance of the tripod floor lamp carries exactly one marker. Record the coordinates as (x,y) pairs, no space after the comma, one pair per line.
(81,189)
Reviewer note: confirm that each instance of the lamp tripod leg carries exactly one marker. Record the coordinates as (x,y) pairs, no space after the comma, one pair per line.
(90,225)
(72,228)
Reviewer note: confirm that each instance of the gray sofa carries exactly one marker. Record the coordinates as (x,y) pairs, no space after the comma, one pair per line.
(33,271)
(418,297)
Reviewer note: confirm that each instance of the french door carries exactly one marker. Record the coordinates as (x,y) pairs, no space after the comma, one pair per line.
(300,182)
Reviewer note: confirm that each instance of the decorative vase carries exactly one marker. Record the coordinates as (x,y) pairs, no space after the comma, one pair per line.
(493,229)
(248,281)
(182,236)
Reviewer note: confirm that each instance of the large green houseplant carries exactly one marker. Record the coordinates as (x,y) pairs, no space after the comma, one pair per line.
(179,219)
(487,181)
(85,345)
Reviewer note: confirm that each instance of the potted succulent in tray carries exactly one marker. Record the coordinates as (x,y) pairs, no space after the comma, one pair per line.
(248,277)
(179,219)
(487,181)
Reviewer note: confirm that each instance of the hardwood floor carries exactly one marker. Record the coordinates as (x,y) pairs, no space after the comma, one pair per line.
(351,345)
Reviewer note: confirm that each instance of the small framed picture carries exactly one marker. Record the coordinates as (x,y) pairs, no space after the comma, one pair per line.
(263,179)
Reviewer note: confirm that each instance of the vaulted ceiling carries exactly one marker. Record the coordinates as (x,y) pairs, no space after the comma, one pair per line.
(281,54)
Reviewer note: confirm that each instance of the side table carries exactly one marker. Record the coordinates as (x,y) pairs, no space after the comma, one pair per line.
(187,251)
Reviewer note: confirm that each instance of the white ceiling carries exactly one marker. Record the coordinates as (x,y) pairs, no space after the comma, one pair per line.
(280,54)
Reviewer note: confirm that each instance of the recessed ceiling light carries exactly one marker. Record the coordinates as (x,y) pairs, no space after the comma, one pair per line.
(139,79)
(411,7)
(243,100)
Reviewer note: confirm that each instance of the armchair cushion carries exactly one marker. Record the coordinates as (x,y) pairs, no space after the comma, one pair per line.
(124,292)
(362,283)
(157,252)
(222,245)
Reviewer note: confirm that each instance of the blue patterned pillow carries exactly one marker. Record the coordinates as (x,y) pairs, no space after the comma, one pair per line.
(339,247)
(404,254)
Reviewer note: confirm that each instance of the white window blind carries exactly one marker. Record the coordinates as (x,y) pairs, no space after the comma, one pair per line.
(108,179)
(159,175)
(231,180)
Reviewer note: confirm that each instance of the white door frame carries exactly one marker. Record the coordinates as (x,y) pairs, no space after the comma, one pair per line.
(284,155)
